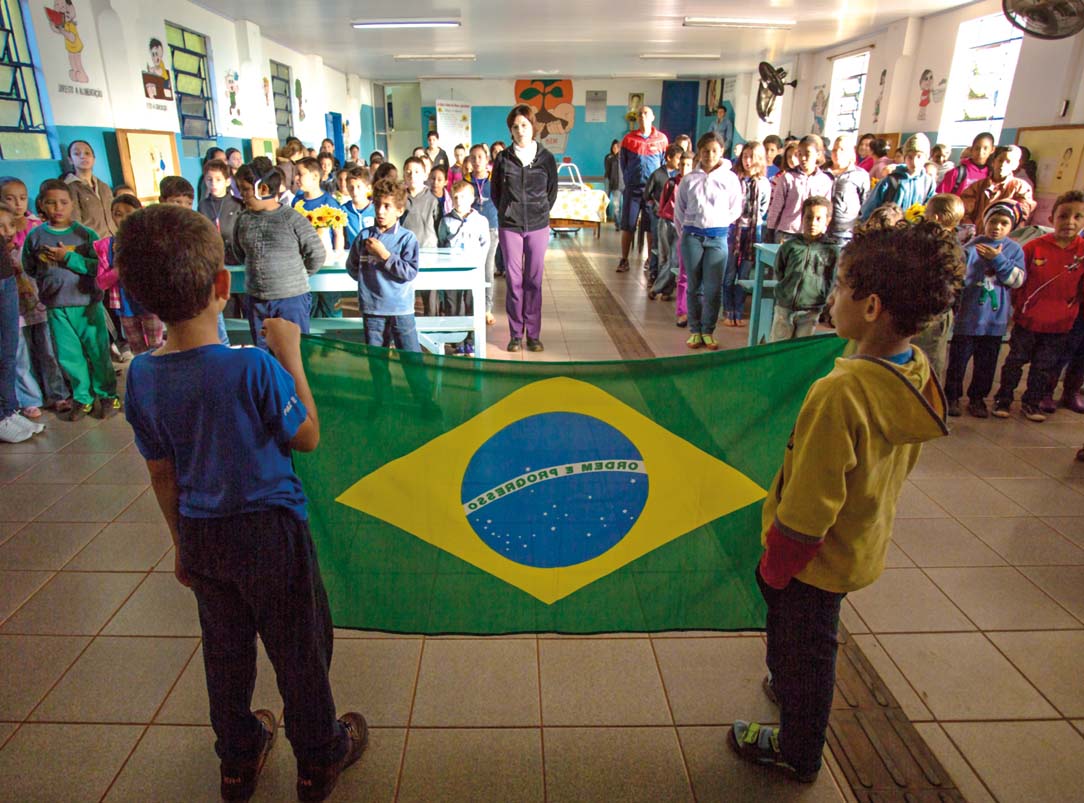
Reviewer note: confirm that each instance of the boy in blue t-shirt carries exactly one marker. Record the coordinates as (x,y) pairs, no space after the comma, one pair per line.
(312,196)
(219,456)
(359,210)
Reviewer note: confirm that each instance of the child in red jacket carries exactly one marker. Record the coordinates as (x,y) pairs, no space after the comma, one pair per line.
(1045,308)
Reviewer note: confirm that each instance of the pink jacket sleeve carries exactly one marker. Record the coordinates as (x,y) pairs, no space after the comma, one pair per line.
(779,194)
(107,274)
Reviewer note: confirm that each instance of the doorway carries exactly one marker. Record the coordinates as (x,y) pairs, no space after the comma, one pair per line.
(680,106)
(403,110)
(333,122)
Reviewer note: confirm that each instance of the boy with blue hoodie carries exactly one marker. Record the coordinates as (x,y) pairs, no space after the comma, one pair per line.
(827,521)
(384,261)
(909,183)
(995,267)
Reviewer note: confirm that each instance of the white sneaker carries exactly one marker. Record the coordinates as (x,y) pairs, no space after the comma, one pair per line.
(13,431)
(36,427)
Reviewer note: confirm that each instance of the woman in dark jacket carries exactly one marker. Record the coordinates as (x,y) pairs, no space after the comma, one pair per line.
(615,182)
(524,188)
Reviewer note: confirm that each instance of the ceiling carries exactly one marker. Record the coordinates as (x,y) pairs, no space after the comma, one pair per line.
(570,38)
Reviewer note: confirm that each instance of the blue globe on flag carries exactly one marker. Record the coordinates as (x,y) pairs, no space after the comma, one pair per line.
(554,489)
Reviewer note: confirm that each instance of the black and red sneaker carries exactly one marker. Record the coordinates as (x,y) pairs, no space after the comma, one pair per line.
(314,783)
(239,780)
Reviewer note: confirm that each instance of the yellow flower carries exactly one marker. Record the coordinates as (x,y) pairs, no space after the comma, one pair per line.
(915,213)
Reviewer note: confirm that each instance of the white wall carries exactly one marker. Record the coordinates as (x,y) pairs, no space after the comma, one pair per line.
(499,92)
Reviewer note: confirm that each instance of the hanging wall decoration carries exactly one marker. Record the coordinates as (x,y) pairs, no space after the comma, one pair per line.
(232,90)
(819,108)
(554,113)
(66,35)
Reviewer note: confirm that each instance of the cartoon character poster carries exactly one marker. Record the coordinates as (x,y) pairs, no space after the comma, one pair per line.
(820,107)
(552,101)
(925,92)
(66,34)
(232,90)
(156,79)
(880,97)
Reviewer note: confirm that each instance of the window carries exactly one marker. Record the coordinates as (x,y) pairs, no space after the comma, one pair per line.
(280,90)
(192,87)
(983,66)
(22,124)
(844,104)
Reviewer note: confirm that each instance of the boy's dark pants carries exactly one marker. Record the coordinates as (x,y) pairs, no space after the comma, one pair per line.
(257,573)
(1045,352)
(985,349)
(803,622)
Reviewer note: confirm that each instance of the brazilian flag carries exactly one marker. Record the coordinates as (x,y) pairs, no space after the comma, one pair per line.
(480,497)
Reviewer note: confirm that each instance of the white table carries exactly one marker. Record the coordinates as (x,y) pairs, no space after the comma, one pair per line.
(439,269)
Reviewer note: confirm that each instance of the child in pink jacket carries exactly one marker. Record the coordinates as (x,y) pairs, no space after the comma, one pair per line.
(143,330)
(794,186)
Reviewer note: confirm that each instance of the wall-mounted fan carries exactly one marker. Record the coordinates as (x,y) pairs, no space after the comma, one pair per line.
(772,82)
(1046,19)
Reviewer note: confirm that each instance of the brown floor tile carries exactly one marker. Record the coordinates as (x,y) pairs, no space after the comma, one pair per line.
(73,603)
(1024,760)
(601,682)
(1054,461)
(962,676)
(719,775)
(124,547)
(1071,527)
(913,504)
(713,681)
(936,463)
(15,464)
(942,542)
(1064,583)
(72,762)
(1000,598)
(108,439)
(143,509)
(1071,434)
(187,701)
(9,528)
(32,664)
(970,497)
(1017,432)
(92,503)
(851,619)
(175,763)
(1026,541)
(124,469)
(376,677)
(160,607)
(906,696)
(626,764)
(474,764)
(468,682)
(17,587)
(44,546)
(24,502)
(955,764)
(1052,662)
(121,680)
(68,469)
(1043,497)
(989,460)
(906,600)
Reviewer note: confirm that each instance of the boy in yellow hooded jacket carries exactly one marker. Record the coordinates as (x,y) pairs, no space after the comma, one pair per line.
(828,517)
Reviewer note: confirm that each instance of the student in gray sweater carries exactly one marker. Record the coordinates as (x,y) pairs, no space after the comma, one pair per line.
(280,250)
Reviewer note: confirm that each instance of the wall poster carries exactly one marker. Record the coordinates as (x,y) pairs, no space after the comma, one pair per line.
(146,157)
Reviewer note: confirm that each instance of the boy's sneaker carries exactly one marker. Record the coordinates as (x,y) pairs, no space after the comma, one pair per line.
(978,408)
(15,429)
(107,408)
(239,780)
(710,343)
(315,783)
(1033,413)
(695,341)
(1002,409)
(1048,405)
(954,408)
(80,411)
(759,744)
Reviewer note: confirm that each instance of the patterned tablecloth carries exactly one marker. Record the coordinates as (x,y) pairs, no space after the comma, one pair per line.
(580,204)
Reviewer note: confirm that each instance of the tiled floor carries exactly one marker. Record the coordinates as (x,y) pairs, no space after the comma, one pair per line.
(977,626)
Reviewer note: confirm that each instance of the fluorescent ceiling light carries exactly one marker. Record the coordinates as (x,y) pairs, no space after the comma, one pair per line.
(449,78)
(682,56)
(737,22)
(436,57)
(406,23)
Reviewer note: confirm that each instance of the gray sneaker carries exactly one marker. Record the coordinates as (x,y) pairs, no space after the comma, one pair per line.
(15,429)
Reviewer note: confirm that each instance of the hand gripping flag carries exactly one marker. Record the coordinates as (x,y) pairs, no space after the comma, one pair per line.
(548,497)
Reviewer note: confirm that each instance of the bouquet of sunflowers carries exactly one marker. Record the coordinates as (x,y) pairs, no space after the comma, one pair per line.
(323,217)
(915,213)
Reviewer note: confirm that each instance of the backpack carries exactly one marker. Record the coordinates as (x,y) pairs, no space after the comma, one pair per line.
(893,182)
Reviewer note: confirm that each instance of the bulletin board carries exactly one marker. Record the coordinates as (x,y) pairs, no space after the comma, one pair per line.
(893,141)
(1057,151)
(265,146)
(146,157)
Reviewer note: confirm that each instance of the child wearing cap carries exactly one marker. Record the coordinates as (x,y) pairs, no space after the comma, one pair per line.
(909,183)
(995,267)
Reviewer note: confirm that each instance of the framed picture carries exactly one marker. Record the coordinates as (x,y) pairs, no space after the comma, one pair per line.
(265,147)
(146,157)
(1056,151)
(712,96)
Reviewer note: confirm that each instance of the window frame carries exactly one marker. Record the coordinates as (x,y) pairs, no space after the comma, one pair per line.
(207,96)
(833,111)
(26,83)
(275,67)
